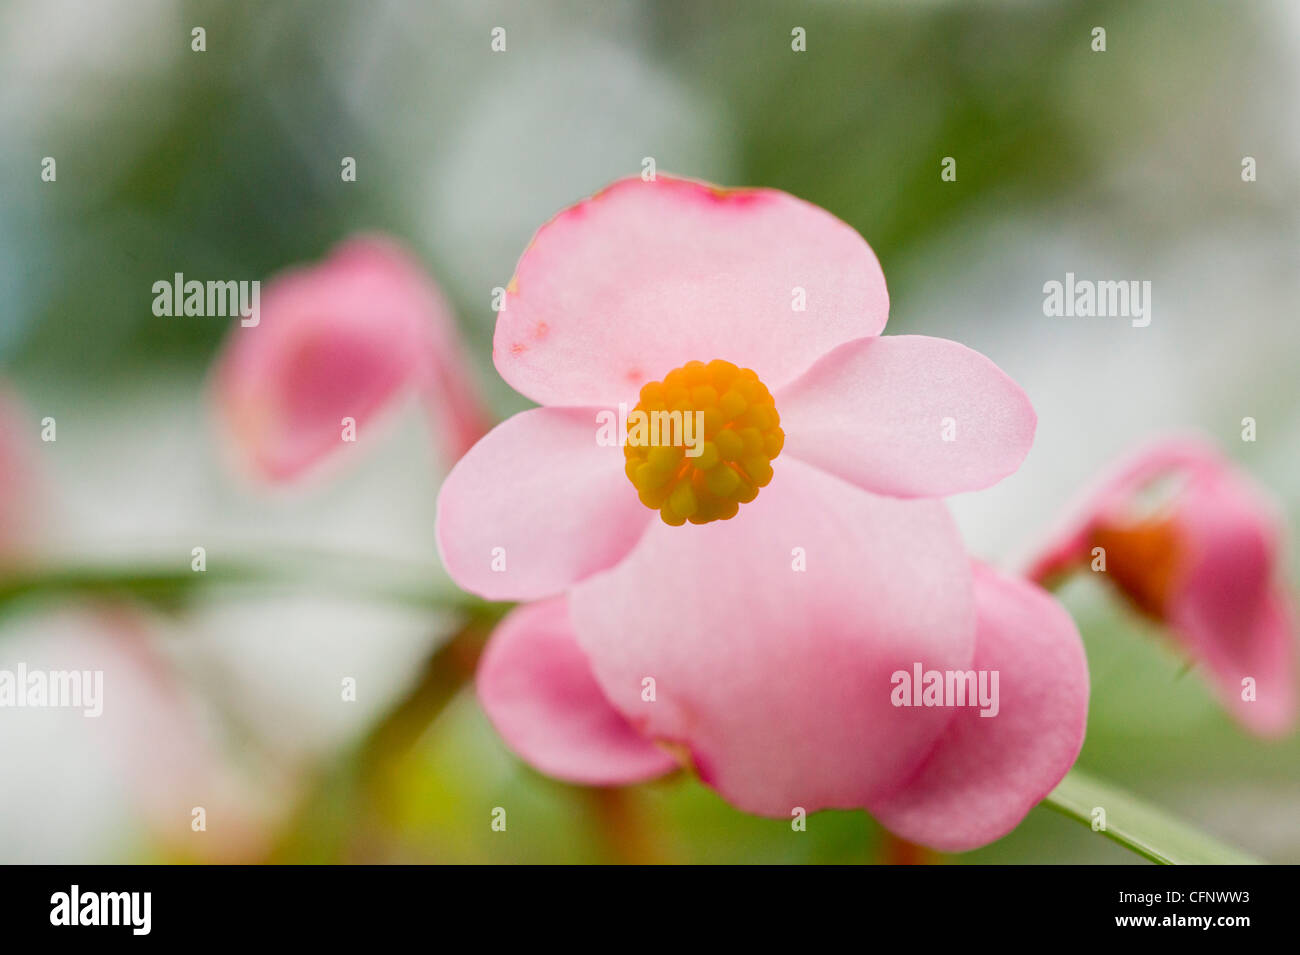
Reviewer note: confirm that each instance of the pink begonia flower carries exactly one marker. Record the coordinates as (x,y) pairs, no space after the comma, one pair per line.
(344,339)
(1194,545)
(751,627)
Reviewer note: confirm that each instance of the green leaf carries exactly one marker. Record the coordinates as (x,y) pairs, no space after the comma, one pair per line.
(1139,826)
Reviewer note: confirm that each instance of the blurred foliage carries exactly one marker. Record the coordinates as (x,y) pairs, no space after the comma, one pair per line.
(214,180)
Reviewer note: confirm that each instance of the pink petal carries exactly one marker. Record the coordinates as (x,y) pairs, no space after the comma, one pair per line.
(1215,580)
(537,689)
(875,411)
(624,287)
(1114,496)
(1261,647)
(1232,541)
(777,680)
(986,773)
(1229,608)
(340,340)
(540,494)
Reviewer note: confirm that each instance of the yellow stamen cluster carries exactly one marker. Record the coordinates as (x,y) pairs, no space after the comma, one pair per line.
(741,438)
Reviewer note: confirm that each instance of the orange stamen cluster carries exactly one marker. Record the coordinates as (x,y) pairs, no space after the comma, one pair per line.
(741,437)
(1144,560)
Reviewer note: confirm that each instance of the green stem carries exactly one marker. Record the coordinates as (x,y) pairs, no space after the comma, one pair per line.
(1139,826)
(339,806)
(168,585)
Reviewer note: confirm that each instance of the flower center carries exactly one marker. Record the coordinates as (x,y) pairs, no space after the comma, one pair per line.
(701,442)
(1143,559)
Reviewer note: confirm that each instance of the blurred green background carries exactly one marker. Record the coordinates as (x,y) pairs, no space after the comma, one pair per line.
(1124,164)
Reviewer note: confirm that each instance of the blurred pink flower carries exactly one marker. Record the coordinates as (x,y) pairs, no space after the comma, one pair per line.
(344,339)
(758,640)
(1194,545)
(147,757)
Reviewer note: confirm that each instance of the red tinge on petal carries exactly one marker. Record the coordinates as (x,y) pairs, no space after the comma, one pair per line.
(623,287)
